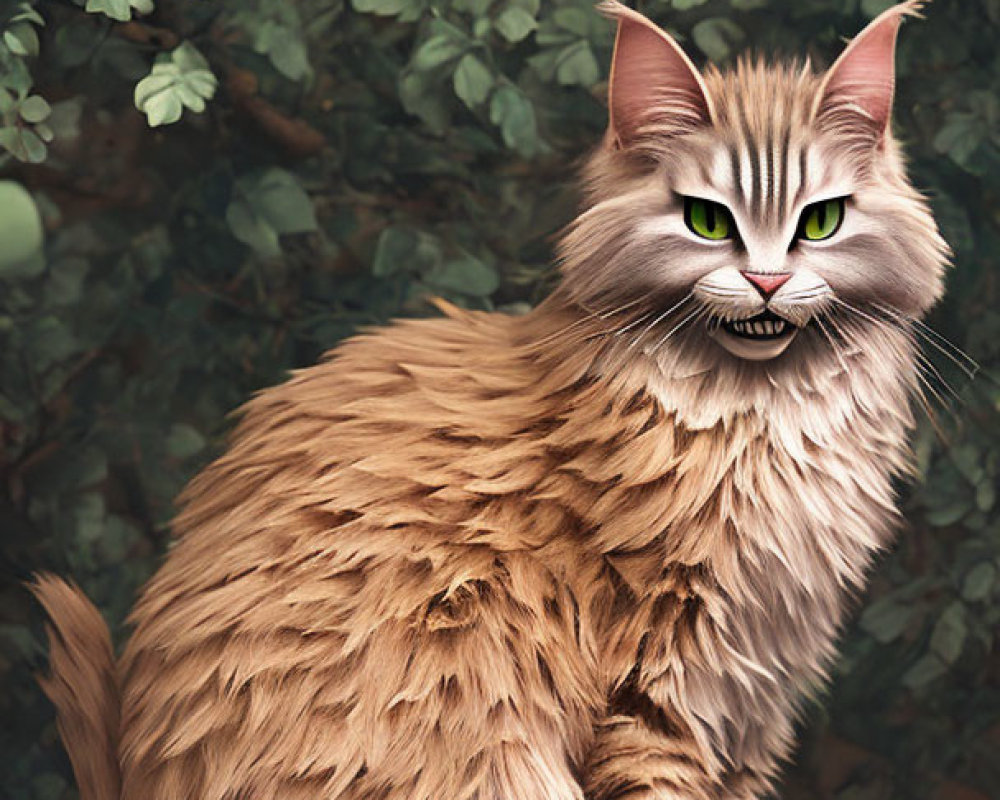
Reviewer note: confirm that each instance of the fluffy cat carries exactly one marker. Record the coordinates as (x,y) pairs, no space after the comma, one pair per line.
(600,551)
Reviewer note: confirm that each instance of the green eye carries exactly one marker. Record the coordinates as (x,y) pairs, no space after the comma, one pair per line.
(822,220)
(709,220)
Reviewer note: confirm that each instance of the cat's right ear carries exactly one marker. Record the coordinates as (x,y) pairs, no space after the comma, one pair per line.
(654,88)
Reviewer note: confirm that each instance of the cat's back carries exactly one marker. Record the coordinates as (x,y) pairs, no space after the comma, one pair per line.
(363,437)
(344,522)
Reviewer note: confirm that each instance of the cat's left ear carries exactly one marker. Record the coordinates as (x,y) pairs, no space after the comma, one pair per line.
(858,89)
(653,87)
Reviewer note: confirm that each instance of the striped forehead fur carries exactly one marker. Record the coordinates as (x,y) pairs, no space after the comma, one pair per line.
(766,117)
(763,114)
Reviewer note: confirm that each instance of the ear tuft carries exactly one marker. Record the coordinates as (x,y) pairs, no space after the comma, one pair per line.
(653,87)
(858,89)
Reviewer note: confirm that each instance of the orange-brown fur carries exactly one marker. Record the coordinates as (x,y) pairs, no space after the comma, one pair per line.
(485,558)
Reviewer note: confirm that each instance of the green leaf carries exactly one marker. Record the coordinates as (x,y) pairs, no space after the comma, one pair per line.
(393,251)
(438,50)
(182,80)
(512,111)
(24,144)
(967,458)
(89,514)
(950,514)
(872,8)
(51,342)
(252,230)
(948,638)
(89,468)
(927,668)
(419,94)
(28,14)
(187,58)
(978,583)
(65,118)
(473,80)
(515,23)
(684,5)
(715,37)
(20,227)
(577,65)
(465,275)
(477,8)
(34,109)
(157,97)
(407,9)
(267,205)
(574,20)
(886,619)
(986,494)
(285,48)
(15,75)
(184,441)
(280,198)
(531,6)
(21,39)
(65,284)
(120,10)
(961,136)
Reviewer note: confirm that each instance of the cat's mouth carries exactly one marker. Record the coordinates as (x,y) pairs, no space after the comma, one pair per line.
(759,338)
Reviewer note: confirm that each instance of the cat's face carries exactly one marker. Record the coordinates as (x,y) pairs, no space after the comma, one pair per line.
(753,209)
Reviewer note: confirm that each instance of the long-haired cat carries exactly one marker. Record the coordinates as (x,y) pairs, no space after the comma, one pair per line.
(600,551)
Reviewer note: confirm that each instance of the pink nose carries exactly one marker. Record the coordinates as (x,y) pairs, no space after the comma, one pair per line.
(767,283)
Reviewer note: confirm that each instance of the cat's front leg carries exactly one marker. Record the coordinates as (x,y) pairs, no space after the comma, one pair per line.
(643,757)
(644,750)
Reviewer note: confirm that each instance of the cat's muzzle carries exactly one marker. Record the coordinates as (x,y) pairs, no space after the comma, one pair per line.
(758,338)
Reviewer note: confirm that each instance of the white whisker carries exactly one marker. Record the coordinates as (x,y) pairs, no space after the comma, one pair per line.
(953,352)
(696,313)
(658,320)
(833,345)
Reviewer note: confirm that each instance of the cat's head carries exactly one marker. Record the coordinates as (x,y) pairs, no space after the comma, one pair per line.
(755,213)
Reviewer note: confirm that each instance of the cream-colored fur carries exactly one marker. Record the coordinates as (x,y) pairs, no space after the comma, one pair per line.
(580,554)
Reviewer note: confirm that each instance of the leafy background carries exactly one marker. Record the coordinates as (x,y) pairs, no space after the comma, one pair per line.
(196,197)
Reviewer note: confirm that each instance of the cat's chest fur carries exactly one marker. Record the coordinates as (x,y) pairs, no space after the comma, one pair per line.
(725,554)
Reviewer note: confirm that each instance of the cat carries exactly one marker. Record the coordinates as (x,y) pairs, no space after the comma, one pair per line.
(599,551)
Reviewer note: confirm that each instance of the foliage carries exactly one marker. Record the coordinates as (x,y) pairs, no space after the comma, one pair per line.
(228,188)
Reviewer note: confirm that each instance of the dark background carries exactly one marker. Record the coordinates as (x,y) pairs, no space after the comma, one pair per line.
(353,159)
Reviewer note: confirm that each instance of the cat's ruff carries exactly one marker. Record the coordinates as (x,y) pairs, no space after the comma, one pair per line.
(594,552)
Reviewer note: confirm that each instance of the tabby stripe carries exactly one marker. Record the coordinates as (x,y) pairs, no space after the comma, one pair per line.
(803,172)
(769,193)
(786,142)
(753,155)
(734,159)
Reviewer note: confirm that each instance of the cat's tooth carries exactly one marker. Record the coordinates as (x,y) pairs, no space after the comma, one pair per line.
(758,329)
(779,326)
(768,328)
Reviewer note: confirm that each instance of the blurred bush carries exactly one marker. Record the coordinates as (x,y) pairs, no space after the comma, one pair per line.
(226,189)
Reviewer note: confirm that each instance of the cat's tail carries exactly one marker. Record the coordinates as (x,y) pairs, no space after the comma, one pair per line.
(83,686)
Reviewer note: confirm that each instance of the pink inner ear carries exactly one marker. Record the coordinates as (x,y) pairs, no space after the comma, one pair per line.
(652,81)
(864,76)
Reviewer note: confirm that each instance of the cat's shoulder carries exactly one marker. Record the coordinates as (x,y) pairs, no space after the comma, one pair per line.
(410,372)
